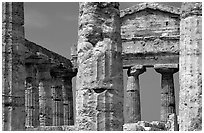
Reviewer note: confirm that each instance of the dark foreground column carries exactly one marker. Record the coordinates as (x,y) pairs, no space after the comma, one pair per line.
(167,89)
(190,65)
(133,109)
(99,90)
(13,74)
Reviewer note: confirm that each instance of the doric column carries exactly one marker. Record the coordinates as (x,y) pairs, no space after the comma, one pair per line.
(63,111)
(57,103)
(30,95)
(99,82)
(133,110)
(13,53)
(29,103)
(190,65)
(167,89)
(68,101)
(45,102)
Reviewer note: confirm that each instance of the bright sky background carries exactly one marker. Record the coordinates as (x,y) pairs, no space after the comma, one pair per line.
(54,26)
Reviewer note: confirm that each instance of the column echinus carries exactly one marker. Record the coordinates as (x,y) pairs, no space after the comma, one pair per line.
(168,105)
(13,54)
(132,108)
(99,84)
(190,65)
(62,95)
(44,86)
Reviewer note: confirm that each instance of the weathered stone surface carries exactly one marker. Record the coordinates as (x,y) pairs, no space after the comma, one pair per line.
(13,67)
(172,124)
(168,104)
(150,5)
(100,110)
(74,56)
(62,80)
(145,126)
(190,65)
(132,108)
(158,125)
(151,45)
(152,129)
(13,12)
(42,52)
(190,9)
(144,123)
(31,96)
(150,34)
(148,22)
(132,127)
(52,128)
(18,53)
(68,102)
(99,90)
(57,103)
(69,128)
(45,106)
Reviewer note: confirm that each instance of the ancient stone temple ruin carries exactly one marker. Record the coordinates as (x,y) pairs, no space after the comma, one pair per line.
(37,83)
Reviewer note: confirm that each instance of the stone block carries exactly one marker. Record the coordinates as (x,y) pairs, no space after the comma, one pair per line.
(133,127)
(172,124)
(69,128)
(144,124)
(152,129)
(158,125)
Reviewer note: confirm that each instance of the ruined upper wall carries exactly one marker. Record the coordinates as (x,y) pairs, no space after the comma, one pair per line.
(149,30)
(149,22)
(150,5)
(37,50)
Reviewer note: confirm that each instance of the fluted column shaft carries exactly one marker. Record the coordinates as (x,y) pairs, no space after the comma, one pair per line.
(62,97)
(57,103)
(42,98)
(29,95)
(133,109)
(99,85)
(13,74)
(190,64)
(167,92)
(44,82)
(68,101)
(29,105)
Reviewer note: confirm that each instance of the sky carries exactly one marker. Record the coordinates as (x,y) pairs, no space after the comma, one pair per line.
(54,26)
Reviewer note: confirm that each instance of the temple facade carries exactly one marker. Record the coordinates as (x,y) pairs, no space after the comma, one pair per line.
(37,91)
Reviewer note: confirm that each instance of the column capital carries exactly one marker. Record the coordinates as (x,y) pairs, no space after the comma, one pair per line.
(166,68)
(136,70)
